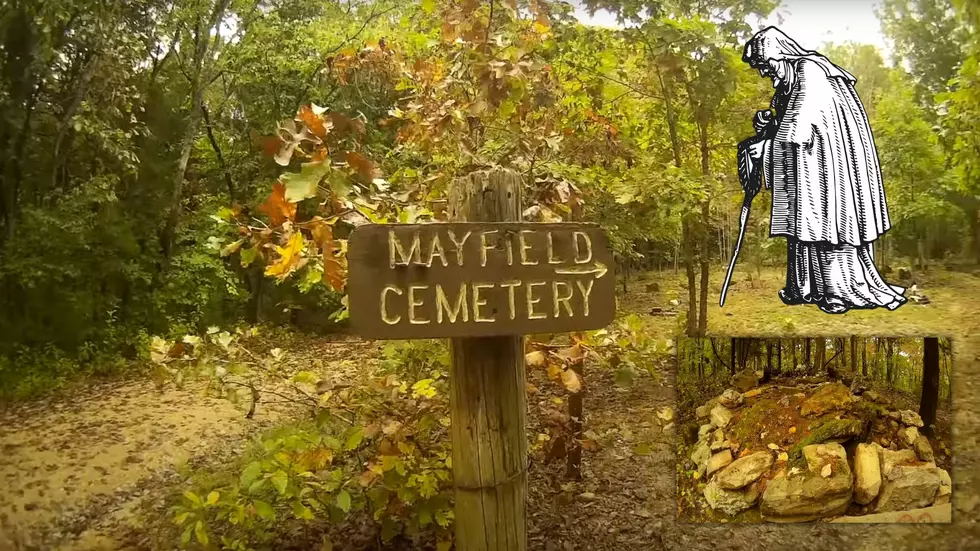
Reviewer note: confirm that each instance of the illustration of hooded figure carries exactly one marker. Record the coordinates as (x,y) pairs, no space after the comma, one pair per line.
(819,160)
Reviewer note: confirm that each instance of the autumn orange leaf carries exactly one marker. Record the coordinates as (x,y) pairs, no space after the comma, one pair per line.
(366,171)
(333,267)
(276,207)
(314,121)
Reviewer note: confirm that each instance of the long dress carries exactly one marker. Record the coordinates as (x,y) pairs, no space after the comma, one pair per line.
(828,200)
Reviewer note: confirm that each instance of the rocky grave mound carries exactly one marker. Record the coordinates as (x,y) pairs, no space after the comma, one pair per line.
(802,451)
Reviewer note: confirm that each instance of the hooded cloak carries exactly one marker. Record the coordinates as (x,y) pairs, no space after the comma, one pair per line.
(821,164)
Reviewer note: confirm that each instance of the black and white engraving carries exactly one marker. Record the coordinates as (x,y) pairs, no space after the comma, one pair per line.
(814,150)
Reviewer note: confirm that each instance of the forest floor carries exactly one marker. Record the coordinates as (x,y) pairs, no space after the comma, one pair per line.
(82,471)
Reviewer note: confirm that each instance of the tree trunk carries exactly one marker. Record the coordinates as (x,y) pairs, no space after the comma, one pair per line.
(703,258)
(68,113)
(779,356)
(221,159)
(767,372)
(889,344)
(821,351)
(854,355)
(864,356)
(198,81)
(731,363)
(930,385)
(807,360)
(793,343)
(692,291)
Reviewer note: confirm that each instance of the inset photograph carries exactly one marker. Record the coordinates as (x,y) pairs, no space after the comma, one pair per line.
(828,429)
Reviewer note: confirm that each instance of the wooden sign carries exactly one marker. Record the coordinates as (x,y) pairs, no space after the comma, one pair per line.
(477,279)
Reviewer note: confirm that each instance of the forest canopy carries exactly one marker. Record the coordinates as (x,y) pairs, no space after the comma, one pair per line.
(171,166)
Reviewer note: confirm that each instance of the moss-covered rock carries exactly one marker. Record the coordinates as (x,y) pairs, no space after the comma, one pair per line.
(830,397)
(837,428)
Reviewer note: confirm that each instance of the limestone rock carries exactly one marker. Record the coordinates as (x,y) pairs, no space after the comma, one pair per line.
(720,416)
(718,461)
(870,395)
(667,414)
(945,488)
(867,473)
(807,497)
(937,514)
(892,459)
(910,418)
(908,436)
(860,385)
(910,487)
(704,430)
(818,455)
(700,455)
(752,393)
(731,398)
(828,397)
(703,411)
(731,502)
(746,380)
(744,471)
(922,449)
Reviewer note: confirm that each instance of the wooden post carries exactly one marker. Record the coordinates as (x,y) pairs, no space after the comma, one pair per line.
(487,399)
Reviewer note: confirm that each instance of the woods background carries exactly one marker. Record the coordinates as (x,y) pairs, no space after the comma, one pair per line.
(133,135)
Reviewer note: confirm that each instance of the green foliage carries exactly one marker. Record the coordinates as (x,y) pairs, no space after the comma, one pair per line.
(629,348)
(376,449)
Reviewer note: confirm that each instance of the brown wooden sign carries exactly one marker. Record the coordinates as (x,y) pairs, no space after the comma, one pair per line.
(477,279)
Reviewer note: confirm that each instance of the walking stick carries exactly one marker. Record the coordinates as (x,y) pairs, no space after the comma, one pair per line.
(743,222)
(750,177)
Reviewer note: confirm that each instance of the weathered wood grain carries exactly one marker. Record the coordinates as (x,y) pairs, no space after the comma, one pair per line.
(487,401)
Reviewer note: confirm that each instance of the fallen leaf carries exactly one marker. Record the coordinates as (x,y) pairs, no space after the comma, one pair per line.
(391,427)
(792,430)
(554,372)
(535,359)
(571,380)
(573,354)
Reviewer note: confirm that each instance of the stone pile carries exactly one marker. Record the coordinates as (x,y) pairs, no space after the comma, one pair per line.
(897,476)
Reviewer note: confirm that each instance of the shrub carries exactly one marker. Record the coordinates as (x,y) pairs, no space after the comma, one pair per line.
(375,449)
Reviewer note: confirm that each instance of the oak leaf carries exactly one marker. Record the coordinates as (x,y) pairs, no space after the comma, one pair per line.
(289,257)
(535,359)
(305,183)
(367,172)
(276,207)
(571,380)
(311,115)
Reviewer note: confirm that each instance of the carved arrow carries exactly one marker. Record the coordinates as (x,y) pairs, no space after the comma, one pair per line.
(598,268)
